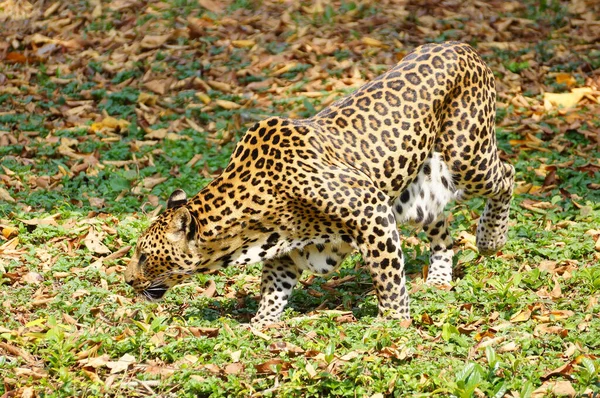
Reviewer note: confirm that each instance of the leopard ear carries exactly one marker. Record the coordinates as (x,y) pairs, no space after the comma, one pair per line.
(177,198)
(180,225)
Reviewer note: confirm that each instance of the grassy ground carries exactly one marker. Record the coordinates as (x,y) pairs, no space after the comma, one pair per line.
(106,107)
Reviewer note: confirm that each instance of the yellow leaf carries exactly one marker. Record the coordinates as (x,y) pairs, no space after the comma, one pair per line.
(565,100)
(110,123)
(7,232)
(521,316)
(203,97)
(227,104)
(522,187)
(243,43)
(147,98)
(284,69)
(369,41)
(565,78)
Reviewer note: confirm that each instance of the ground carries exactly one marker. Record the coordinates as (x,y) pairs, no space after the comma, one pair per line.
(106,108)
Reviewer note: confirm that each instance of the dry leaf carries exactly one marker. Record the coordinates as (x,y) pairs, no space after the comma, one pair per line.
(93,242)
(521,316)
(565,100)
(282,346)
(33,278)
(9,232)
(159,86)
(151,41)
(122,364)
(109,123)
(4,195)
(211,289)
(243,43)
(211,5)
(273,366)
(561,388)
(227,104)
(206,332)
(234,368)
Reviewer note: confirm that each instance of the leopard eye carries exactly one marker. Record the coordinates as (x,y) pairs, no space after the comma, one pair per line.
(142,259)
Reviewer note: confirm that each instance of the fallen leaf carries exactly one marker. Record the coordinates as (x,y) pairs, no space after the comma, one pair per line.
(154,41)
(4,195)
(211,5)
(369,41)
(565,78)
(206,332)
(310,370)
(227,104)
(33,278)
(282,346)
(243,43)
(158,86)
(561,388)
(273,366)
(565,100)
(234,368)
(109,123)
(93,242)
(122,364)
(211,289)
(97,362)
(9,232)
(522,316)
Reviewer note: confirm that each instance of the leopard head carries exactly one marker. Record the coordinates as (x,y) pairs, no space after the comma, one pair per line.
(165,254)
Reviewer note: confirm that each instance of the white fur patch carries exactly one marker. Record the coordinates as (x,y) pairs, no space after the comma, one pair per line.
(427,196)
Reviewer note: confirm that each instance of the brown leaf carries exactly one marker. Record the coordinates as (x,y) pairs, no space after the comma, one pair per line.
(206,332)
(152,41)
(4,195)
(234,368)
(159,86)
(211,289)
(273,366)
(282,346)
(212,368)
(211,5)
(96,362)
(18,352)
(33,278)
(561,388)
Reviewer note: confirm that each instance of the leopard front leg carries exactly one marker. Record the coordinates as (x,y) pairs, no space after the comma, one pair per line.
(381,250)
(279,276)
(440,259)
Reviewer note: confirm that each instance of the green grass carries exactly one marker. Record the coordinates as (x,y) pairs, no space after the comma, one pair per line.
(70,326)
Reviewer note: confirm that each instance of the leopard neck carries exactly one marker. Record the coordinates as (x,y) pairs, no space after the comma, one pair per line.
(234,225)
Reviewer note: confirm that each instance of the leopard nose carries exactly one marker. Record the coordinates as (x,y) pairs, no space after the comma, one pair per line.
(130,283)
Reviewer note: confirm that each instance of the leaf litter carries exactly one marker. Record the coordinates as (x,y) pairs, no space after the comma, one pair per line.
(102,90)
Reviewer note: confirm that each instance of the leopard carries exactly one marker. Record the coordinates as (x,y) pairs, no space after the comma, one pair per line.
(303,194)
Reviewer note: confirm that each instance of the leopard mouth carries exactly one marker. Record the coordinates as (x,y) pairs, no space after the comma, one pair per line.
(154,293)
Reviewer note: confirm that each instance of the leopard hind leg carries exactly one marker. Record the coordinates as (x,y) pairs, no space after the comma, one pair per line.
(422,204)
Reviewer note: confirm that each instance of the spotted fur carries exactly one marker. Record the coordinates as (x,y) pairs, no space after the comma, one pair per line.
(302,194)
